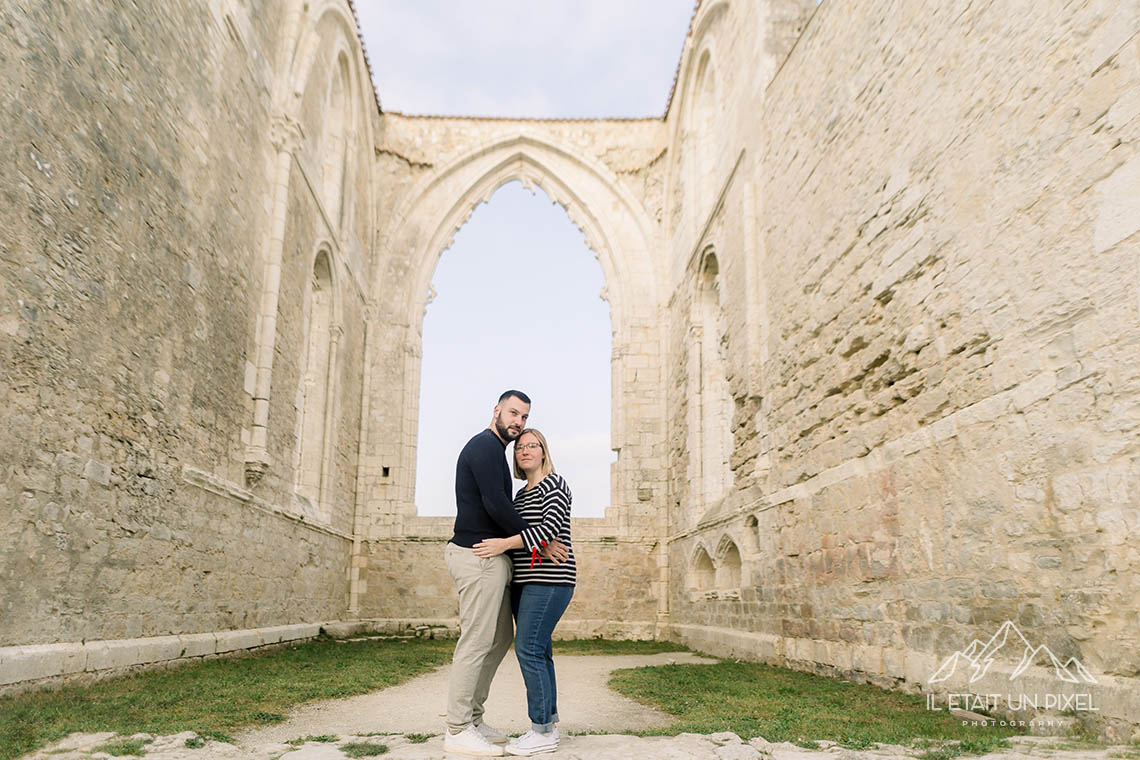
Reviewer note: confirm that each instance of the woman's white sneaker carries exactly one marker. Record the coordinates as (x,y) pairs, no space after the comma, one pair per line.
(533,743)
(470,742)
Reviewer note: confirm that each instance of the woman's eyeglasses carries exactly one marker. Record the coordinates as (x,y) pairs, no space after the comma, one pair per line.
(528,446)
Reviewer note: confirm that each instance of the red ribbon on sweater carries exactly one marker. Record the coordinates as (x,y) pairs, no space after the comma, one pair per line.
(534,555)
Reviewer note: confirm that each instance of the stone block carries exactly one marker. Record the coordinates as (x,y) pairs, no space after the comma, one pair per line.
(115,653)
(918,667)
(340,630)
(1117,206)
(894,663)
(158,648)
(985,410)
(944,429)
(197,644)
(97,472)
(35,661)
(1031,391)
(275,634)
(867,659)
(229,641)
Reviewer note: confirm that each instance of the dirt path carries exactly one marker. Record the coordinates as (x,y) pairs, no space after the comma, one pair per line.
(407,719)
(585,703)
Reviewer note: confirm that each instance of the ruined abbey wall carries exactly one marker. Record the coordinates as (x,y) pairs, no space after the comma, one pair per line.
(141,153)
(874,287)
(928,277)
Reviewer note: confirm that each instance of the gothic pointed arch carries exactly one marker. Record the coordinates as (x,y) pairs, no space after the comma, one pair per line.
(693,112)
(728,564)
(327,66)
(620,237)
(616,228)
(702,571)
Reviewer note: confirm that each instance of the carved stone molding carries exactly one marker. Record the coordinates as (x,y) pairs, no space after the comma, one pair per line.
(256,465)
(286,133)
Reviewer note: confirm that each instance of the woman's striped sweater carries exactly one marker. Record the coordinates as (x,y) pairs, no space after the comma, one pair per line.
(547,508)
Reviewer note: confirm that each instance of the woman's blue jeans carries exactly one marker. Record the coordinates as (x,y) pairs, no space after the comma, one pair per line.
(537,609)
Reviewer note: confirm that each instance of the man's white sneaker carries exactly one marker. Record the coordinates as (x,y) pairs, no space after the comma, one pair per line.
(533,743)
(492,734)
(470,742)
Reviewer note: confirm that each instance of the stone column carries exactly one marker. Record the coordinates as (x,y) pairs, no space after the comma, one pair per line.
(287,136)
(359,561)
(331,408)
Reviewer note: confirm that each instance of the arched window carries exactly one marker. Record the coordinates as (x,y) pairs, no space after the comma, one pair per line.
(728,567)
(335,142)
(703,120)
(702,574)
(310,476)
(753,525)
(714,400)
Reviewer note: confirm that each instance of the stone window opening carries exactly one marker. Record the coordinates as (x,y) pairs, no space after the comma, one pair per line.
(702,121)
(752,523)
(702,575)
(714,400)
(313,453)
(336,144)
(728,569)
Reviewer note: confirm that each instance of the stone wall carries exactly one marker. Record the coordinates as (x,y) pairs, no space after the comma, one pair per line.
(140,156)
(615,596)
(941,431)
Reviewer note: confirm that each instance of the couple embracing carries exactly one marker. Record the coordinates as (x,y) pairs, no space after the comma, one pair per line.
(512,564)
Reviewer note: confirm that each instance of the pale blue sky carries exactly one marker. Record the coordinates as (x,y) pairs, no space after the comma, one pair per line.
(519,256)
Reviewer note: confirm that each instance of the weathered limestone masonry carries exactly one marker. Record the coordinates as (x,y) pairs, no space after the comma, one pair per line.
(179,273)
(875,289)
(927,269)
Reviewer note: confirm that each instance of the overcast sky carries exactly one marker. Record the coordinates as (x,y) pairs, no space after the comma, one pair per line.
(546,58)
(519,257)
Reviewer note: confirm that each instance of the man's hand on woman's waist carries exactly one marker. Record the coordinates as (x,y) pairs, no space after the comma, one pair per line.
(556,551)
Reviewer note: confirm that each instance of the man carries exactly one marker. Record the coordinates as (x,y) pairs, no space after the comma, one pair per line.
(484,509)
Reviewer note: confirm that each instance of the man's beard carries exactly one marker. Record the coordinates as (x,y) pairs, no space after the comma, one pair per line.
(504,432)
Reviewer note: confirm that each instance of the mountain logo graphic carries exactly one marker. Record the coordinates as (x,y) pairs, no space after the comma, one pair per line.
(1009,640)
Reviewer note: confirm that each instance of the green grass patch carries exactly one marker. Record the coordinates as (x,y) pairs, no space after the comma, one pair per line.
(214,735)
(326,738)
(122,747)
(785,705)
(218,697)
(608,646)
(418,738)
(363,749)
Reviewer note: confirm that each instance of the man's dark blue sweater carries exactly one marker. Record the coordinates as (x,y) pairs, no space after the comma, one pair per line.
(483,504)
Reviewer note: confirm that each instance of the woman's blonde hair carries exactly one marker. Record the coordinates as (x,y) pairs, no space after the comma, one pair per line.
(547,462)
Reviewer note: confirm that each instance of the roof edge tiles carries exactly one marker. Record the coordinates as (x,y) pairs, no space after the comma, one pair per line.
(680,60)
(520,118)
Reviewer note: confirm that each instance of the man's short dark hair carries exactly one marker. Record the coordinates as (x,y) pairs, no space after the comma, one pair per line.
(517,394)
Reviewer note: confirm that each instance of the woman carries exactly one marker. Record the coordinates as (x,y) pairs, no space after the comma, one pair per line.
(540,591)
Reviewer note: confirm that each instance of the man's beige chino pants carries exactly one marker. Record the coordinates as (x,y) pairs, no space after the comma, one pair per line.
(486,631)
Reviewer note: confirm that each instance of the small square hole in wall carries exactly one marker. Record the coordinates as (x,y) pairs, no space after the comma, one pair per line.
(384,472)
